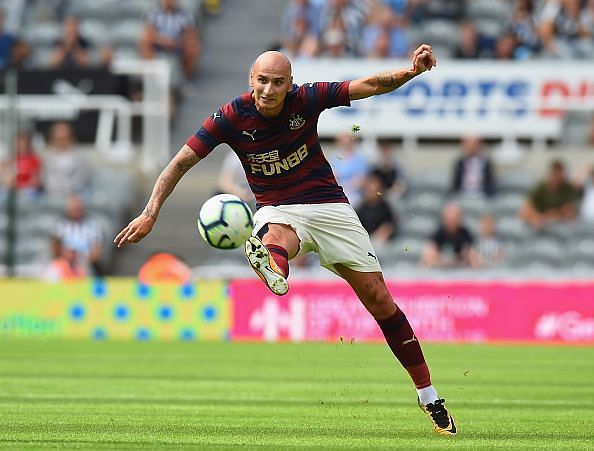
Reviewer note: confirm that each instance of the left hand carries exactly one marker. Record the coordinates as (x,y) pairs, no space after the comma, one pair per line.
(423,59)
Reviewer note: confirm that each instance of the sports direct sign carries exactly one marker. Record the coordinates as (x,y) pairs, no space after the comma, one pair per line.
(520,99)
(453,311)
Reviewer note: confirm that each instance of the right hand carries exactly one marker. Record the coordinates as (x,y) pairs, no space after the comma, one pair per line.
(136,230)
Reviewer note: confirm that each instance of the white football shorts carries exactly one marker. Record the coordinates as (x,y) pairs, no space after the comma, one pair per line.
(332,230)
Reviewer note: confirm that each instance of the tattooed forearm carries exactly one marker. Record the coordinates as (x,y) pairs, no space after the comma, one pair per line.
(181,163)
(388,81)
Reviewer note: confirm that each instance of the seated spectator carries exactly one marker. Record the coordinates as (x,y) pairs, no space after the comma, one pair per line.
(350,168)
(452,243)
(300,28)
(334,43)
(565,29)
(584,182)
(551,200)
(392,176)
(385,34)
(505,46)
(81,234)
(524,27)
(164,267)
(490,247)
(374,212)
(72,50)
(346,17)
(171,33)
(24,173)
(65,170)
(7,42)
(473,172)
(65,265)
(232,179)
(472,44)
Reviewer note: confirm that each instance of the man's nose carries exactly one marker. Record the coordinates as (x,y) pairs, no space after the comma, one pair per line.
(267,88)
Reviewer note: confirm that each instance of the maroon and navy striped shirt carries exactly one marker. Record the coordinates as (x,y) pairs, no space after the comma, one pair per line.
(281,156)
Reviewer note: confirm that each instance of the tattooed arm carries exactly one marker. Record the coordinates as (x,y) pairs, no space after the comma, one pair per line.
(383,82)
(143,224)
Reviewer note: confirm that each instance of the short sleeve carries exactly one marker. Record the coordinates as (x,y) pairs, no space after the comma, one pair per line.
(210,134)
(328,94)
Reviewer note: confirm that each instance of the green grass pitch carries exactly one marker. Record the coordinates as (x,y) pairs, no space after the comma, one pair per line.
(90,395)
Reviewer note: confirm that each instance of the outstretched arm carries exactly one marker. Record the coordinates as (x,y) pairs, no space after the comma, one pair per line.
(383,82)
(143,224)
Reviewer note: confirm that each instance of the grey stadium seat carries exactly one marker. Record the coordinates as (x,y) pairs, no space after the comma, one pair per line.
(443,32)
(127,32)
(96,31)
(43,34)
(489,9)
(508,204)
(418,226)
(512,229)
(425,203)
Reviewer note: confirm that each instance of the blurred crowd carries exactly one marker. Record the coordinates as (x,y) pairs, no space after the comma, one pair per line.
(378,186)
(496,29)
(58,175)
(72,34)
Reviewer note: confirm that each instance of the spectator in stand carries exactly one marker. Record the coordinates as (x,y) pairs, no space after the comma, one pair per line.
(392,176)
(413,10)
(490,247)
(7,42)
(72,50)
(350,167)
(566,30)
(551,200)
(334,42)
(506,46)
(584,182)
(385,34)
(347,16)
(171,33)
(232,179)
(65,265)
(65,170)
(81,234)
(375,213)
(300,28)
(24,173)
(473,172)
(524,27)
(472,44)
(452,243)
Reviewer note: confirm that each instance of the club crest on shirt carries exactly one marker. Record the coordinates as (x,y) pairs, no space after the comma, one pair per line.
(296,121)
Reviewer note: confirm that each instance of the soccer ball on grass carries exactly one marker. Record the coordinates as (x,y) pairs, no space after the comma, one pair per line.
(225,221)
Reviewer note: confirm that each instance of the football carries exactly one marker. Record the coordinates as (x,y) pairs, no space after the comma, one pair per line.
(225,221)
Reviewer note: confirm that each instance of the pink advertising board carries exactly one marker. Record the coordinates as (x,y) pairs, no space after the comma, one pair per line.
(448,311)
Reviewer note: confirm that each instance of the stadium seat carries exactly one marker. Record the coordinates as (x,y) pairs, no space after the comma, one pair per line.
(508,204)
(443,32)
(45,33)
(126,32)
(516,182)
(96,31)
(425,203)
(512,229)
(418,226)
(488,9)
(97,9)
(490,27)
(473,206)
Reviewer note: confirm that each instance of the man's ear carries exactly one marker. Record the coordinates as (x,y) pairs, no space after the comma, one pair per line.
(290,84)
